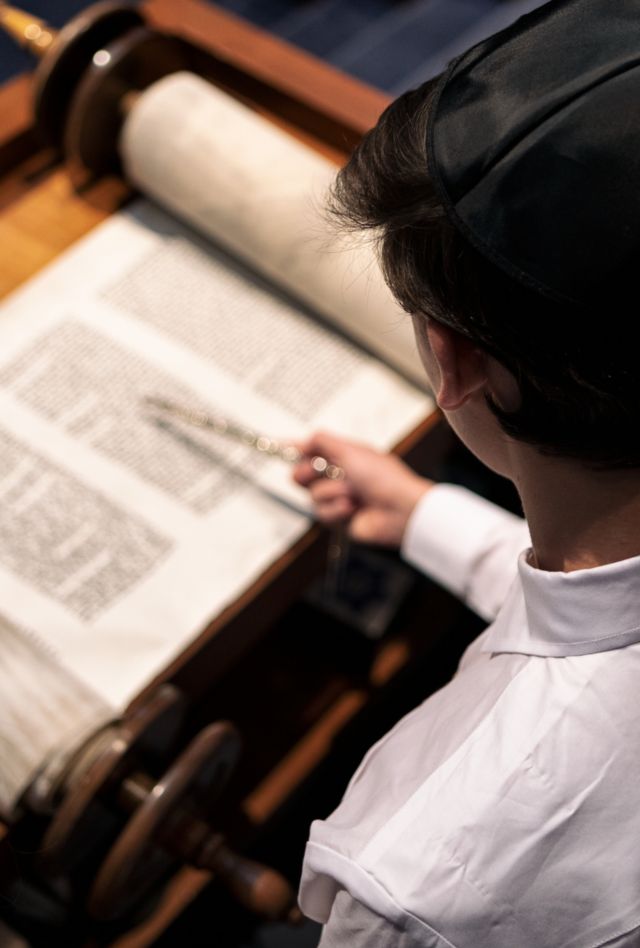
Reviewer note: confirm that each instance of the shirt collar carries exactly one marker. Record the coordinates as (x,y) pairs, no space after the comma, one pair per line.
(577,613)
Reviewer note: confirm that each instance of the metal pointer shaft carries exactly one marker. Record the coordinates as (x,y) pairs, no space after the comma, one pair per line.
(222,425)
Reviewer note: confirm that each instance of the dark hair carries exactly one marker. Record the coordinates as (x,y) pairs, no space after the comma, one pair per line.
(575,366)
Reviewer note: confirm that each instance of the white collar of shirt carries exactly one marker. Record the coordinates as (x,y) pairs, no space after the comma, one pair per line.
(577,613)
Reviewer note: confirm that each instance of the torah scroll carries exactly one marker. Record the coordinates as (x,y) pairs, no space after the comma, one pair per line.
(122,536)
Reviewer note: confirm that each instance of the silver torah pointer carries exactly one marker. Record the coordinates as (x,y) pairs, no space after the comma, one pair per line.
(226,427)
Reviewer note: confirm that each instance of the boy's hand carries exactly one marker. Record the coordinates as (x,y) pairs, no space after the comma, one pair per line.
(377,494)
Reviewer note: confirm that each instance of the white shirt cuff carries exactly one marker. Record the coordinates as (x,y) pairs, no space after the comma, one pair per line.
(467,544)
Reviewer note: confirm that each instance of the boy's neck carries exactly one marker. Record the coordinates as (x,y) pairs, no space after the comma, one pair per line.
(578,518)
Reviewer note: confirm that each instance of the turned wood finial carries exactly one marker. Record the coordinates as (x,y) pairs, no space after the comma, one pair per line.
(28,31)
(84,71)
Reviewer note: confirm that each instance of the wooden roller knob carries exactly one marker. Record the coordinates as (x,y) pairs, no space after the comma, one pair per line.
(260,889)
(166,830)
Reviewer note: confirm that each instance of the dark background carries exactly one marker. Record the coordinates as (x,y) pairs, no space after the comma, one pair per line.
(391,44)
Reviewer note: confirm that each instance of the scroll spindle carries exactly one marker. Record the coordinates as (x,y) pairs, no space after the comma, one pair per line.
(28,31)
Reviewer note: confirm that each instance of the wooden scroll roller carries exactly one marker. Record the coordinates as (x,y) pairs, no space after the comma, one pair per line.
(119,97)
(164,818)
(87,73)
(104,780)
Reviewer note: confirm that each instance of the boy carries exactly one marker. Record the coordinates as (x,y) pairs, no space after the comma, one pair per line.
(504,812)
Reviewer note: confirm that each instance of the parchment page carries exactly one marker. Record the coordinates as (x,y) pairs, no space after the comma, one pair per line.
(123,534)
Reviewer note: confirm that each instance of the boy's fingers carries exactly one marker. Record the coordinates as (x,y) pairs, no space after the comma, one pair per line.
(304,473)
(322,490)
(326,445)
(334,510)
(338,451)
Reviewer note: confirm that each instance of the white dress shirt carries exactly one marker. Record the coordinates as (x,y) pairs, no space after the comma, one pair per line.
(503,812)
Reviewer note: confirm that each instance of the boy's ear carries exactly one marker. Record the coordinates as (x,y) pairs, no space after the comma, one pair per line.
(461,366)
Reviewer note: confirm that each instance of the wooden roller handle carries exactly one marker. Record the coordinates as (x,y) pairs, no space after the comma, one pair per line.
(259,888)
(164,821)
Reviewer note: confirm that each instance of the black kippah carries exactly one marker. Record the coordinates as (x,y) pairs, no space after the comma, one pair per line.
(534,145)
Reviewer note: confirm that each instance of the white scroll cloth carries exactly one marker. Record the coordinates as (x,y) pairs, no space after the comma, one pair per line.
(260,193)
